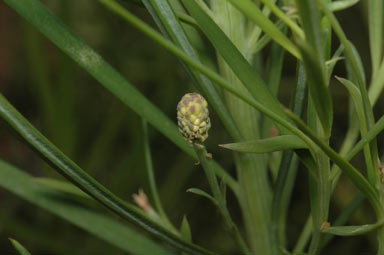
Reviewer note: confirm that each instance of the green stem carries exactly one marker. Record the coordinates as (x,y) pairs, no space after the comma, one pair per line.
(206,162)
(304,236)
(151,180)
(323,200)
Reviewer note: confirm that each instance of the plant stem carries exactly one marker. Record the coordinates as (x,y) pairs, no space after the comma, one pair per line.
(206,162)
(255,193)
(151,180)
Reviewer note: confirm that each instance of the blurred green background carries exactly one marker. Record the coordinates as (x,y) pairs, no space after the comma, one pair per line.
(105,138)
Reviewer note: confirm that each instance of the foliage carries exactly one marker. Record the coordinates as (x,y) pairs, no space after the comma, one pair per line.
(237,54)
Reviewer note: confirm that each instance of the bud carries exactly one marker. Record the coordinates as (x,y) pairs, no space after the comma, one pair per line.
(193,117)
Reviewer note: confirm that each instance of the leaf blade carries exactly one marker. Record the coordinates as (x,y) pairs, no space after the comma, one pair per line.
(21,249)
(278,143)
(352,230)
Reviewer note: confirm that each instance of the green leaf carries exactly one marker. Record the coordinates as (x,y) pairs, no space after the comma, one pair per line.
(80,178)
(372,134)
(252,12)
(356,97)
(359,107)
(105,228)
(202,193)
(343,217)
(377,85)
(341,5)
(375,19)
(287,172)
(278,143)
(185,229)
(19,247)
(240,66)
(352,230)
(356,65)
(166,19)
(330,64)
(62,186)
(317,87)
(312,50)
(265,39)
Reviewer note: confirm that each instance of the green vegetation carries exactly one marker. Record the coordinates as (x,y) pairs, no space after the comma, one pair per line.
(292,160)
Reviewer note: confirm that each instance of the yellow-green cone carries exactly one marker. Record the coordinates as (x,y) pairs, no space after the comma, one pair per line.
(193,117)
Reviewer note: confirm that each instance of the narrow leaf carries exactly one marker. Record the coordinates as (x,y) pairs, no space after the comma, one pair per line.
(202,193)
(372,134)
(20,249)
(356,97)
(352,230)
(341,5)
(185,229)
(375,18)
(105,228)
(343,217)
(62,186)
(278,143)
(317,88)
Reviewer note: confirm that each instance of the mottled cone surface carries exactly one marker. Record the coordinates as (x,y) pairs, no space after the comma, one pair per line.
(193,117)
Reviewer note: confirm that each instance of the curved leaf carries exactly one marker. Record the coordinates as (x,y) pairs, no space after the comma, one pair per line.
(62,186)
(341,5)
(352,230)
(278,143)
(356,97)
(202,193)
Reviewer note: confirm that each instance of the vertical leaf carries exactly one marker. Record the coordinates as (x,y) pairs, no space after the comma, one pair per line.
(375,19)
(313,57)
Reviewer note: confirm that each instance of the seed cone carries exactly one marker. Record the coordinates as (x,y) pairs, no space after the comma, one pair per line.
(193,117)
